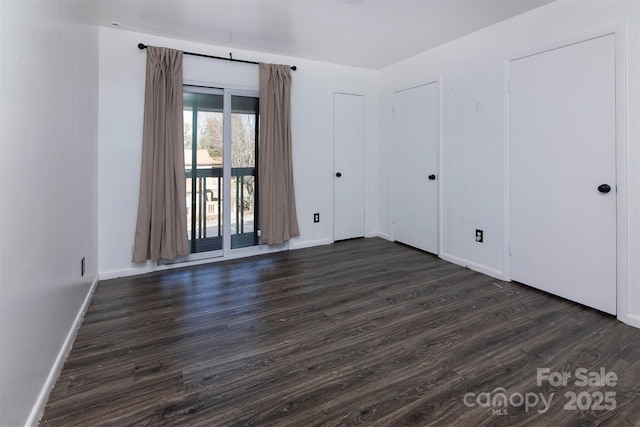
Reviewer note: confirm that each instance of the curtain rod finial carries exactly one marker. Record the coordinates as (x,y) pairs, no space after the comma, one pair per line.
(141,46)
(294,68)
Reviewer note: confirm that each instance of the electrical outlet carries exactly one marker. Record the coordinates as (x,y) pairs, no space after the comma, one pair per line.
(82,267)
(316,217)
(479,236)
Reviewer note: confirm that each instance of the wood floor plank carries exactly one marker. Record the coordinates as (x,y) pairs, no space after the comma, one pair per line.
(361,332)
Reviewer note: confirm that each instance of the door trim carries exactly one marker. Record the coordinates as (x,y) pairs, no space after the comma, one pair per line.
(619,32)
(439,211)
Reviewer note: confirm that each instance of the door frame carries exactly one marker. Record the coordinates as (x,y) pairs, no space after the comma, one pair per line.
(619,32)
(439,211)
(364,159)
(226,253)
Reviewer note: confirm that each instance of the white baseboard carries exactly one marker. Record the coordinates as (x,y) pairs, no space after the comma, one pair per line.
(309,243)
(114,274)
(630,319)
(473,266)
(380,234)
(150,267)
(56,368)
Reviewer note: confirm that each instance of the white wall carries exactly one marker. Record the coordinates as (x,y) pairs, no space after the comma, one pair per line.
(471,75)
(122,81)
(48,192)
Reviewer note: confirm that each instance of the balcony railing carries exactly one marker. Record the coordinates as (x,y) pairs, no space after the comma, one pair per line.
(206,226)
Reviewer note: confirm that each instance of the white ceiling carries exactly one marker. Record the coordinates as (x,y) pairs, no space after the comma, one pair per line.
(362,33)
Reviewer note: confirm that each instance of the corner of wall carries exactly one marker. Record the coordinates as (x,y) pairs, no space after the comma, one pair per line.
(39,406)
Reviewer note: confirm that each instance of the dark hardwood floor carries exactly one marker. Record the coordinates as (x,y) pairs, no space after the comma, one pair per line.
(360,332)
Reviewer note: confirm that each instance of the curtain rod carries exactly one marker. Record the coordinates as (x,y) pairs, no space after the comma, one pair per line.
(142,46)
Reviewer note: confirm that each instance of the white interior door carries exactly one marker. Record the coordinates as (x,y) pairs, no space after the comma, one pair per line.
(563,226)
(415,167)
(349,137)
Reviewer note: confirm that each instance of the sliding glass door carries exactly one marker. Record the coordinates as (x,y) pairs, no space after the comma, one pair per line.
(244,154)
(221,151)
(203,162)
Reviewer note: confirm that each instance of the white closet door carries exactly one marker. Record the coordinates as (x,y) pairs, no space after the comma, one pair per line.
(563,220)
(415,167)
(349,138)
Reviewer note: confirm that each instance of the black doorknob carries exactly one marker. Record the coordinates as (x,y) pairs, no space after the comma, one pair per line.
(338,174)
(604,188)
(432,177)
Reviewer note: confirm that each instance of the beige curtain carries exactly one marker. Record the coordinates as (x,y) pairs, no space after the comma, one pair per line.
(161,230)
(278,222)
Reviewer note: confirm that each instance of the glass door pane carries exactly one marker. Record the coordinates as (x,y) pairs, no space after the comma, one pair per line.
(203,158)
(244,188)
